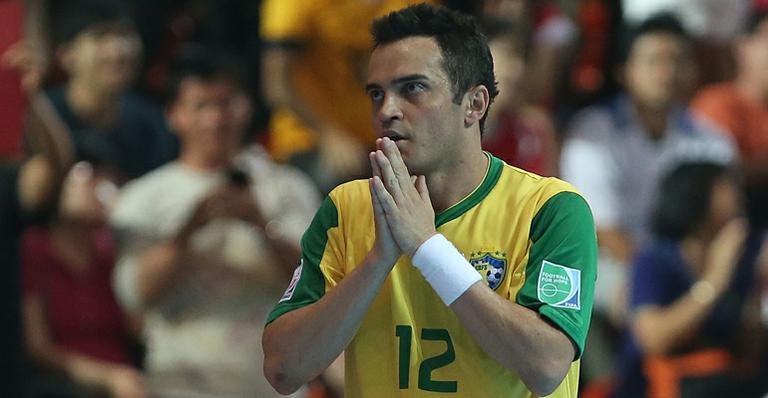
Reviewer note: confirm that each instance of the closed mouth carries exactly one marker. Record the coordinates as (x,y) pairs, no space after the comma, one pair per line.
(394,136)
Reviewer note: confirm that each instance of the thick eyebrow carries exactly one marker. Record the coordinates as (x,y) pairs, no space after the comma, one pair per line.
(399,80)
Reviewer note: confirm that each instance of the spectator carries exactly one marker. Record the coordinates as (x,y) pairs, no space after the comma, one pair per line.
(616,152)
(207,240)
(74,331)
(714,24)
(693,293)
(519,133)
(313,77)
(98,49)
(739,107)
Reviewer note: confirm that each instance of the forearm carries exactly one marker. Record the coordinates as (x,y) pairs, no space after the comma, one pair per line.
(157,267)
(281,92)
(660,330)
(79,368)
(517,337)
(294,353)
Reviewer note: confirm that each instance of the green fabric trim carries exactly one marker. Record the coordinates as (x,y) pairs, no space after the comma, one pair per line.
(563,233)
(489,181)
(311,284)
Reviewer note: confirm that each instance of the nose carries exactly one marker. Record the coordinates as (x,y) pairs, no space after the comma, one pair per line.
(390,109)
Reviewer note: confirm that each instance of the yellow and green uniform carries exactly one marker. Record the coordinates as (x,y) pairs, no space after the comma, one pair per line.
(531,238)
(333,44)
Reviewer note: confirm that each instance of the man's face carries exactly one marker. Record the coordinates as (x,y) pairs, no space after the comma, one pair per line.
(107,61)
(412,103)
(659,70)
(210,117)
(753,51)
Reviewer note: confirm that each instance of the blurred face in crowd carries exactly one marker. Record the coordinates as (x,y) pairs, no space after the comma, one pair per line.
(412,102)
(210,117)
(753,55)
(725,202)
(87,195)
(509,66)
(659,70)
(103,58)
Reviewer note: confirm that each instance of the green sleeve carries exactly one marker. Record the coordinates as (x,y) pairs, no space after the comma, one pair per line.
(562,266)
(308,283)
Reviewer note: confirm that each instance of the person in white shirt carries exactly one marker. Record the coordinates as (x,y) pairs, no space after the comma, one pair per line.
(207,241)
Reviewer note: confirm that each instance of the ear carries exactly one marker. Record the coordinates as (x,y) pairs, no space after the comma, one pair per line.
(476,104)
(175,117)
(65,56)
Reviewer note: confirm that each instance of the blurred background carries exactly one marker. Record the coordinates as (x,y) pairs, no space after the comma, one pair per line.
(145,145)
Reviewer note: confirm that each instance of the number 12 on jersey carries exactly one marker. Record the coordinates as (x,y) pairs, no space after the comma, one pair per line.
(405,335)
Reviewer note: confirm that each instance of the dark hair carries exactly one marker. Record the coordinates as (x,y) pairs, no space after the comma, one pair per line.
(198,62)
(661,23)
(495,28)
(466,57)
(756,18)
(684,198)
(72,17)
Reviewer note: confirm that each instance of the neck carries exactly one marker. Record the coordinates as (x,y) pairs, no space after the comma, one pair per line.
(77,233)
(653,118)
(450,185)
(199,162)
(750,89)
(90,104)
(694,248)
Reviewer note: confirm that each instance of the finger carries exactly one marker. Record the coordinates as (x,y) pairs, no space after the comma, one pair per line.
(398,166)
(413,180)
(385,199)
(375,170)
(421,188)
(388,177)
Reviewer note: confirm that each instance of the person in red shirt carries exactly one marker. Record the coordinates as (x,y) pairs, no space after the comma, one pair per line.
(73,325)
(517,132)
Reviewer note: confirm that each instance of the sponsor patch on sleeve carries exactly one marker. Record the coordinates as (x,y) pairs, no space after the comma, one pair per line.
(294,281)
(559,286)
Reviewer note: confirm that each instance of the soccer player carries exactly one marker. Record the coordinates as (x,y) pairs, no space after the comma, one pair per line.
(448,273)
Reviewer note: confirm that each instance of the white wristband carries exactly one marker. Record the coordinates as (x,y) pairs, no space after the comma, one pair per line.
(441,264)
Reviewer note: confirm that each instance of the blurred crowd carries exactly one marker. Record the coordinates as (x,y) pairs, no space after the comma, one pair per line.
(160,160)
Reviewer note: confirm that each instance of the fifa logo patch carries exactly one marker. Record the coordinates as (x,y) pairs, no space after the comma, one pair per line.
(294,281)
(492,266)
(559,286)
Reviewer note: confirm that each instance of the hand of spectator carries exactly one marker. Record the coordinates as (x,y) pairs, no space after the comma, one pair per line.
(340,154)
(724,254)
(227,201)
(404,200)
(126,382)
(29,61)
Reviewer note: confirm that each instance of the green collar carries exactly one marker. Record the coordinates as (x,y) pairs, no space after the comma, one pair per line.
(489,181)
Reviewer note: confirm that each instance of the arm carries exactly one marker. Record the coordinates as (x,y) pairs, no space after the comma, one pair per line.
(338,149)
(295,354)
(662,329)
(41,175)
(122,381)
(518,338)
(514,334)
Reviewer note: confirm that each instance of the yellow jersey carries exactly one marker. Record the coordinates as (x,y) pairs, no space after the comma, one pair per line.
(531,238)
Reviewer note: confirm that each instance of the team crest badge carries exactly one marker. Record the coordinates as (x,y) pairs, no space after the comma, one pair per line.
(491,265)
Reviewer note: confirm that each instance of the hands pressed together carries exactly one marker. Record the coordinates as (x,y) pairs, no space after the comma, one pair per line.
(403,212)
